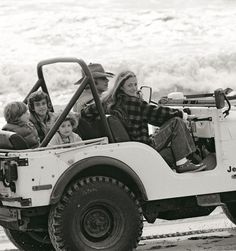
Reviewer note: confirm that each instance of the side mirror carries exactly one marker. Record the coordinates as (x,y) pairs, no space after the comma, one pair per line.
(146,92)
(219,98)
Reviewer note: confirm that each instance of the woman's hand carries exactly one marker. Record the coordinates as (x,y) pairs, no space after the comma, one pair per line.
(188,117)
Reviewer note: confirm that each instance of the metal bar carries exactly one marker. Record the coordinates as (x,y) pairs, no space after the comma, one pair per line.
(34,88)
(88,79)
(64,113)
(99,105)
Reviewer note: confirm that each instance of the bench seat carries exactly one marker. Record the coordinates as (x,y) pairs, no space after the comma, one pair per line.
(12,141)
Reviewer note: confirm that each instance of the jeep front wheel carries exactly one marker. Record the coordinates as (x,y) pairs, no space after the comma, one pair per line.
(230,211)
(30,241)
(96,213)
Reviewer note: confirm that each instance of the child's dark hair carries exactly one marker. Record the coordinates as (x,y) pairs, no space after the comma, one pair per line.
(14,110)
(36,97)
(72,118)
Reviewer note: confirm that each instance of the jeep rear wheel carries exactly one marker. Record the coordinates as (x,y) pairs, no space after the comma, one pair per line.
(230,211)
(30,241)
(96,213)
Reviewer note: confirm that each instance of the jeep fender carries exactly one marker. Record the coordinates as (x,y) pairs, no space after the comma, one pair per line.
(81,165)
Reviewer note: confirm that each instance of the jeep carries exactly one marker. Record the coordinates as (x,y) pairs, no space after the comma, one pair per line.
(95,194)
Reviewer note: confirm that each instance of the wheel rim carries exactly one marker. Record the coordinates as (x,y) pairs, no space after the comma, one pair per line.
(97,223)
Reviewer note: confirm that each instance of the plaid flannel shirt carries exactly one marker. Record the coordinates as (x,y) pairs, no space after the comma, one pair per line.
(136,114)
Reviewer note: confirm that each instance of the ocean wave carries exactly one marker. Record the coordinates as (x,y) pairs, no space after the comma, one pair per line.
(175,74)
(171,45)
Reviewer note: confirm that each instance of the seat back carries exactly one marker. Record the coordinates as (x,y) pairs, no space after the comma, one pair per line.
(12,141)
(118,130)
(86,130)
(95,129)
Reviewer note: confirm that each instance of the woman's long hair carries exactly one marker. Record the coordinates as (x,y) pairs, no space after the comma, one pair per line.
(112,101)
(111,98)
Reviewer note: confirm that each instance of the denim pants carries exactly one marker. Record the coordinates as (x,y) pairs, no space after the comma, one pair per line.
(174,134)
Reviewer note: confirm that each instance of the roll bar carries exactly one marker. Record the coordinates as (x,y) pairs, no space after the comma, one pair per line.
(87,80)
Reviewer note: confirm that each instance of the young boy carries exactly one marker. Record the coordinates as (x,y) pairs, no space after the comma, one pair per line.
(17,118)
(40,115)
(65,133)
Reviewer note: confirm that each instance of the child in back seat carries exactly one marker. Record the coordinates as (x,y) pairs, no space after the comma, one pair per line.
(39,107)
(65,133)
(17,117)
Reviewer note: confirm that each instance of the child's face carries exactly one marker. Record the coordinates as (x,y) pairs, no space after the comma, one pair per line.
(25,117)
(66,128)
(41,107)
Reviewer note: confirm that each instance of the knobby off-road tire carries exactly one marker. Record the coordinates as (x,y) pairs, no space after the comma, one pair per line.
(230,211)
(96,213)
(30,241)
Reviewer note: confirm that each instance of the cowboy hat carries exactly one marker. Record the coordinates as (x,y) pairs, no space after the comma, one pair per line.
(97,71)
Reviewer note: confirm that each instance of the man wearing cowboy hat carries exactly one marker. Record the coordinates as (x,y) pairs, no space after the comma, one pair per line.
(101,79)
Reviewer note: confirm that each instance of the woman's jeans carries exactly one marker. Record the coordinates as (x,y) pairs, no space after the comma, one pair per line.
(174,134)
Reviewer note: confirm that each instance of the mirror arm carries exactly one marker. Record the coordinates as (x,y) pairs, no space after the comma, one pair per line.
(143,87)
(226,113)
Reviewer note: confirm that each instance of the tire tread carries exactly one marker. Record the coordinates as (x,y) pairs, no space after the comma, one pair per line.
(55,228)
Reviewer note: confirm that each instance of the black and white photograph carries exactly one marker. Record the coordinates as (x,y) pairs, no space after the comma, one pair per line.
(118,125)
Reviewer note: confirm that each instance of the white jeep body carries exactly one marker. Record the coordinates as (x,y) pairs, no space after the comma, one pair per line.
(43,180)
(37,180)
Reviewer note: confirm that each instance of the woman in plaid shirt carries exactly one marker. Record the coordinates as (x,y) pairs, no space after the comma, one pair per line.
(125,102)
